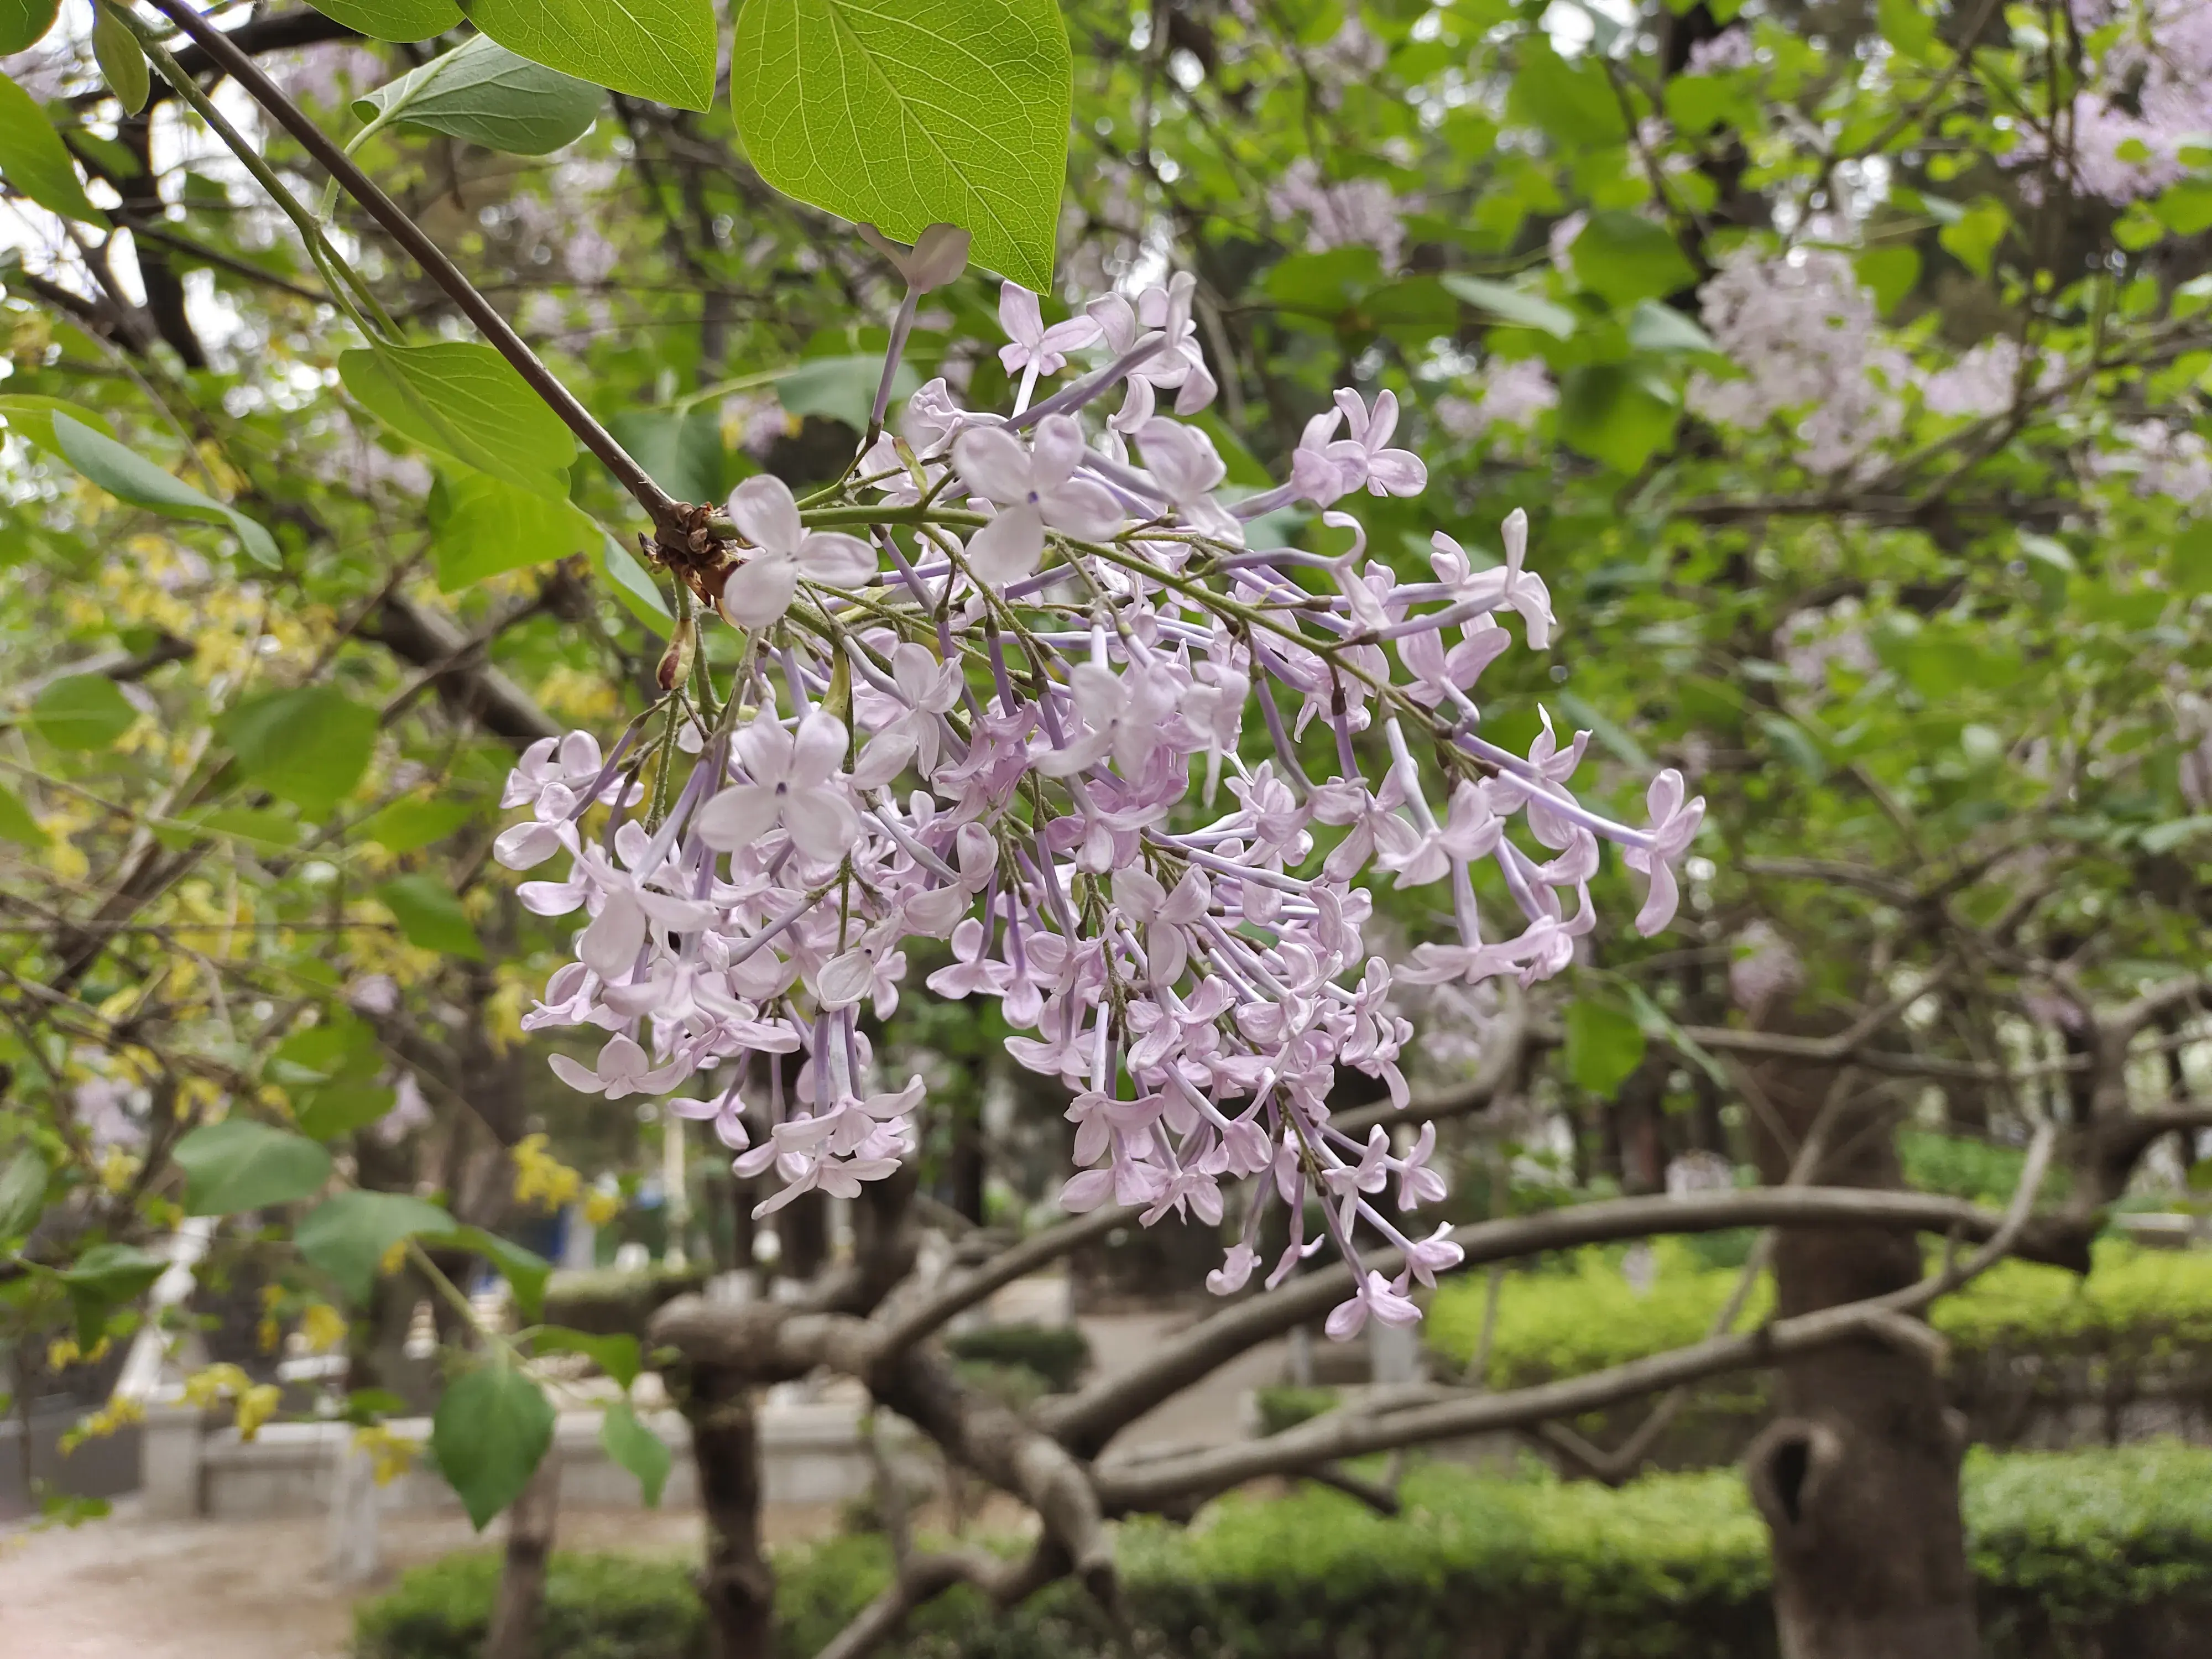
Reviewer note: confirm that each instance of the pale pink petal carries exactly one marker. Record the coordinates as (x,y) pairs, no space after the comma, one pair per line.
(992,463)
(765,513)
(737,816)
(1008,548)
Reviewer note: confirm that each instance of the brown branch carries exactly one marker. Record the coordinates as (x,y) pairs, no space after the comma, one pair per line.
(1087,1420)
(923,1577)
(1346,1434)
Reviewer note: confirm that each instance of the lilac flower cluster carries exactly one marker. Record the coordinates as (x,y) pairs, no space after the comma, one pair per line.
(993,689)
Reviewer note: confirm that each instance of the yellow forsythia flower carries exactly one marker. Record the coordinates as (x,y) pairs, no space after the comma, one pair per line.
(541,1178)
(600,1208)
(324,1327)
(390,1454)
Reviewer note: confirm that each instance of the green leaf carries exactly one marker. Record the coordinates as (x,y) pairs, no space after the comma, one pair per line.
(2189,558)
(347,1236)
(24,23)
(408,826)
(683,454)
(1973,239)
(639,594)
(430,916)
(23,1196)
(238,1165)
(2184,208)
(490,1429)
(489,526)
(840,388)
(83,711)
(1905,26)
(616,1354)
(34,159)
(342,1107)
(1570,102)
(2159,838)
(1666,331)
(524,1271)
(265,831)
(1891,273)
(482,92)
(1604,1045)
(102,1280)
(1795,742)
(1623,258)
(1244,470)
(465,401)
(637,1448)
(122,62)
(393,20)
(310,745)
(951,112)
(1612,416)
(663,50)
(33,416)
(1512,305)
(16,823)
(131,478)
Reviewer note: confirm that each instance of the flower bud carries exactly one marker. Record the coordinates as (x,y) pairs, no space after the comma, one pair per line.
(676,661)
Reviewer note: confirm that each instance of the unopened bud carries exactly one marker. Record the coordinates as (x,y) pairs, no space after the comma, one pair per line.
(676,661)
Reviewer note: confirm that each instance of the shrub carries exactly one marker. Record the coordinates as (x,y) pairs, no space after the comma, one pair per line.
(2137,1309)
(597,1606)
(1287,1407)
(1059,1354)
(2073,1552)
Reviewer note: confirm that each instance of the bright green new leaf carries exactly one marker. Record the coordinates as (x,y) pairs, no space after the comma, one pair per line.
(122,61)
(129,476)
(238,1165)
(936,112)
(464,400)
(23,1195)
(663,50)
(16,823)
(393,20)
(34,159)
(408,826)
(430,916)
(1891,273)
(263,831)
(309,746)
(83,711)
(347,1236)
(1604,1045)
(1623,258)
(1973,239)
(2189,558)
(1513,305)
(640,595)
(616,1354)
(490,526)
(482,92)
(637,1448)
(840,388)
(24,23)
(491,1428)
(1612,416)
(1907,27)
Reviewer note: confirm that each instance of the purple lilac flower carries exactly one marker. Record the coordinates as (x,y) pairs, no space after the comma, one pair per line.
(989,732)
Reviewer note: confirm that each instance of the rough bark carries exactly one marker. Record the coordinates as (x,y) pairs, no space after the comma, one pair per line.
(521,1604)
(736,1583)
(1858,1477)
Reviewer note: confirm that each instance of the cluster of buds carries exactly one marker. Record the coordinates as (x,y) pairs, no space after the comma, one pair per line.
(992,689)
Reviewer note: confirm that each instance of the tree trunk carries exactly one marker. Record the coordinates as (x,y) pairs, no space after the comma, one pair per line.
(521,1601)
(969,1165)
(1858,1477)
(736,1583)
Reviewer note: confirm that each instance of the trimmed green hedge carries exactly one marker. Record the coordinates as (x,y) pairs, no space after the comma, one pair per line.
(2074,1553)
(2137,1306)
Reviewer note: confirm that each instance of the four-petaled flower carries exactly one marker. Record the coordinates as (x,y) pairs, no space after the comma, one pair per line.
(794,783)
(762,588)
(1034,488)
